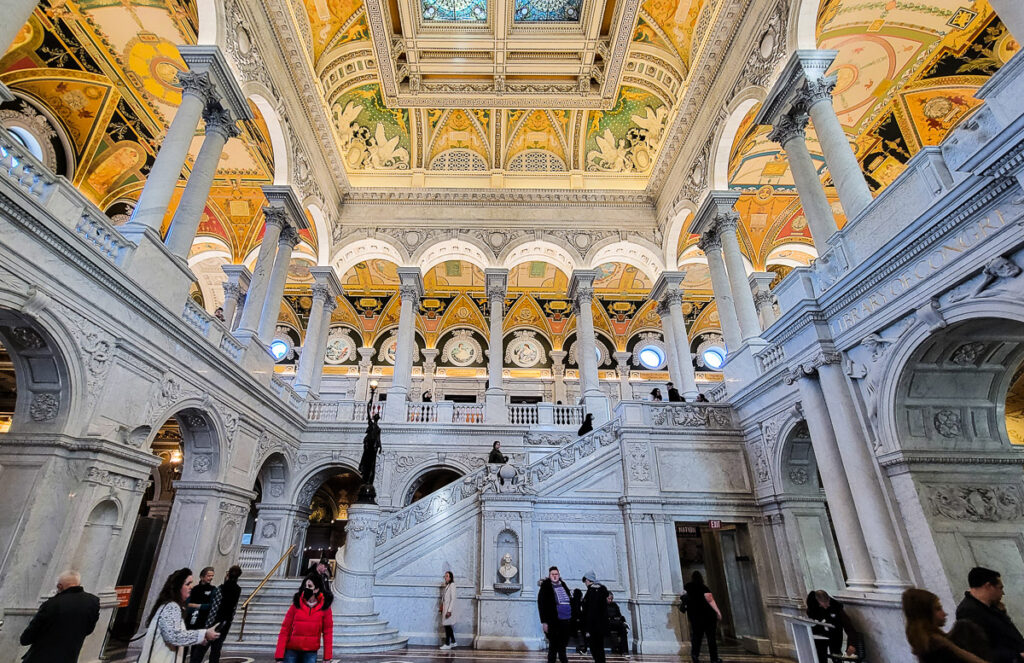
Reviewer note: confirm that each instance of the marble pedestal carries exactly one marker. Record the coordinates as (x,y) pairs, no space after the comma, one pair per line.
(357,626)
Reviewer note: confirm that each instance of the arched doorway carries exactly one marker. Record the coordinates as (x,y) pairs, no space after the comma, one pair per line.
(34,378)
(428,481)
(327,495)
(8,389)
(955,414)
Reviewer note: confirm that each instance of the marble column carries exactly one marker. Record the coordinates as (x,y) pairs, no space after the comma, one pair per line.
(410,291)
(362,392)
(497,284)
(816,97)
(764,300)
(671,355)
(429,366)
(860,575)
(558,374)
(727,226)
(685,372)
(235,289)
(581,291)
(275,219)
(1011,13)
(197,91)
(711,245)
(16,15)
(220,127)
(789,132)
(876,519)
(622,370)
(326,290)
(271,310)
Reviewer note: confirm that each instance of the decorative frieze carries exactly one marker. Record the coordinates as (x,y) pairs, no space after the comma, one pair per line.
(992,504)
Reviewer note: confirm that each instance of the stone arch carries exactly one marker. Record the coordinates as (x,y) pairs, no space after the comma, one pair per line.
(946,389)
(425,471)
(101,526)
(323,234)
(540,250)
(209,22)
(802,25)
(202,434)
(305,485)
(260,96)
(369,248)
(430,255)
(39,347)
(737,110)
(273,475)
(678,220)
(636,252)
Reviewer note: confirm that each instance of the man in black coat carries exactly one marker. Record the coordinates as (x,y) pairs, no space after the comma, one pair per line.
(554,603)
(595,615)
(63,622)
(225,602)
(617,624)
(982,607)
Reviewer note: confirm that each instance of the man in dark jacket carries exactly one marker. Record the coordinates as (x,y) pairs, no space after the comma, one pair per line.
(617,624)
(199,609)
(222,610)
(673,394)
(554,603)
(595,615)
(982,607)
(63,622)
(822,607)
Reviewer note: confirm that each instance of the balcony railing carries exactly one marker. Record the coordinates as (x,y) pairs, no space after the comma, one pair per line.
(422,412)
(341,411)
(468,413)
(523,413)
(252,558)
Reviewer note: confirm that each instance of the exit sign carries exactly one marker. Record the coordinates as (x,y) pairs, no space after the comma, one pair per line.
(714,524)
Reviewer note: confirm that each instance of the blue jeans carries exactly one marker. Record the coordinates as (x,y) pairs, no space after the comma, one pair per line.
(296,656)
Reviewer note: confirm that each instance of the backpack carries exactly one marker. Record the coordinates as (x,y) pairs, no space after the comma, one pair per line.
(683,602)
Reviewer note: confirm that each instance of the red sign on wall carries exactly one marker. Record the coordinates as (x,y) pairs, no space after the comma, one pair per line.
(124,595)
(714,524)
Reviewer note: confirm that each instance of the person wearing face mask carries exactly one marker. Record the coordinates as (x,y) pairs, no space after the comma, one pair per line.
(308,621)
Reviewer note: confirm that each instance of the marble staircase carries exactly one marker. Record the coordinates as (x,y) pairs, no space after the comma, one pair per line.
(352,633)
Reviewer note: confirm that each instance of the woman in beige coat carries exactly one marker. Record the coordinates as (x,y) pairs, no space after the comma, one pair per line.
(448,609)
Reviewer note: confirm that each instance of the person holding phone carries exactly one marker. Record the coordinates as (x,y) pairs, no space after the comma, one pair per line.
(166,634)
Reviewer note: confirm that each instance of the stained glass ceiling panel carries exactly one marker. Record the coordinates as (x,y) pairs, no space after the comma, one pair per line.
(547,11)
(463,11)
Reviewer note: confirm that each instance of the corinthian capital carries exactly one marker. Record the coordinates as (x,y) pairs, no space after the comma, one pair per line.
(709,241)
(195,84)
(670,299)
(408,292)
(289,236)
(231,290)
(816,90)
(219,120)
(496,295)
(321,293)
(275,216)
(727,222)
(790,126)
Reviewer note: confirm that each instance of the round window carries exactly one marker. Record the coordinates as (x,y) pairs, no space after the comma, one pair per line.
(714,357)
(279,349)
(652,357)
(27,140)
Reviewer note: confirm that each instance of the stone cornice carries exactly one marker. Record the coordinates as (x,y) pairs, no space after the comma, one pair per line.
(500,197)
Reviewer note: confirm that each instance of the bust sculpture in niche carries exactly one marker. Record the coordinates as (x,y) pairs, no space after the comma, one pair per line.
(507,570)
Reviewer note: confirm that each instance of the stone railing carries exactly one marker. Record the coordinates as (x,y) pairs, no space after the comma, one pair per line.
(57,195)
(197,317)
(231,347)
(548,466)
(438,502)
(711,416)
(718,393)
(252,558)
(422,412)
(771,357)
(523,413)
(340,411)
(286,393)
(468,413)
(567,415)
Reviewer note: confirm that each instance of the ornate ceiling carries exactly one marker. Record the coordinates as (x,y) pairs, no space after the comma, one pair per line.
(431,96)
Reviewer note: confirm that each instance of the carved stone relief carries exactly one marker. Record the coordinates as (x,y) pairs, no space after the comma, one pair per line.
(976,503)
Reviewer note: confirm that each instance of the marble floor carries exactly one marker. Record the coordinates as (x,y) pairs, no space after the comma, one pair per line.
(432,655)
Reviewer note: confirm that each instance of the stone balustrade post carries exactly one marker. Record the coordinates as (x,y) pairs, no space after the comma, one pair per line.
(496,410)
(220,127)
(271,310)
(410,291)
(235,289)
(789,132)
(558,374)
(581,292)
(362,392)
(764,300)
(429,367)
(326,290)
(860,576)
(622,370)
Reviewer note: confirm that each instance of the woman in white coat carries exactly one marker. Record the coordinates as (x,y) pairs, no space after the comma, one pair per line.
(448,609)
(167,636)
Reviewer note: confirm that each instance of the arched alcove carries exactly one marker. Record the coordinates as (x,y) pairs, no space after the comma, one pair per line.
(429,480)
(37,371)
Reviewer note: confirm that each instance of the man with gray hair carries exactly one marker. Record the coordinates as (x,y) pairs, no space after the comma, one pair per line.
(63,622)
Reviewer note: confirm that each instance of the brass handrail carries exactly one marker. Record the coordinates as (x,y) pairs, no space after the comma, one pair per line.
(245,605)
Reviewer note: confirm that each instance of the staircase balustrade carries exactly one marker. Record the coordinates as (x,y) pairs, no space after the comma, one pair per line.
(252,558)
(421,412)
(568,415)
(245,604)
(468,413)
(523,413)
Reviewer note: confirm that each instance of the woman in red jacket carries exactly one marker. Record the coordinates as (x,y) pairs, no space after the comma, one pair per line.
(309,618)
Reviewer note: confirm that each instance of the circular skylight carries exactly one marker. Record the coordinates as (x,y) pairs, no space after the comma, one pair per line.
(279,349)
(714,357)
(652,357)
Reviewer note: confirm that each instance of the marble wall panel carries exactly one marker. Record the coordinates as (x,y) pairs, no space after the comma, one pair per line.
(702,470)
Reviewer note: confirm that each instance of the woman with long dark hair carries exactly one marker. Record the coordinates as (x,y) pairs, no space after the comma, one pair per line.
(448,610)
(166,634)
(307,622)
(925,618)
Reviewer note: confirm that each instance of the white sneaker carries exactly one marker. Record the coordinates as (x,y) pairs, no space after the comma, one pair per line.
(453,646)
(445,647)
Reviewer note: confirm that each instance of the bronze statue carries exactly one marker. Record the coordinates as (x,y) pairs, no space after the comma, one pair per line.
(368,462)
